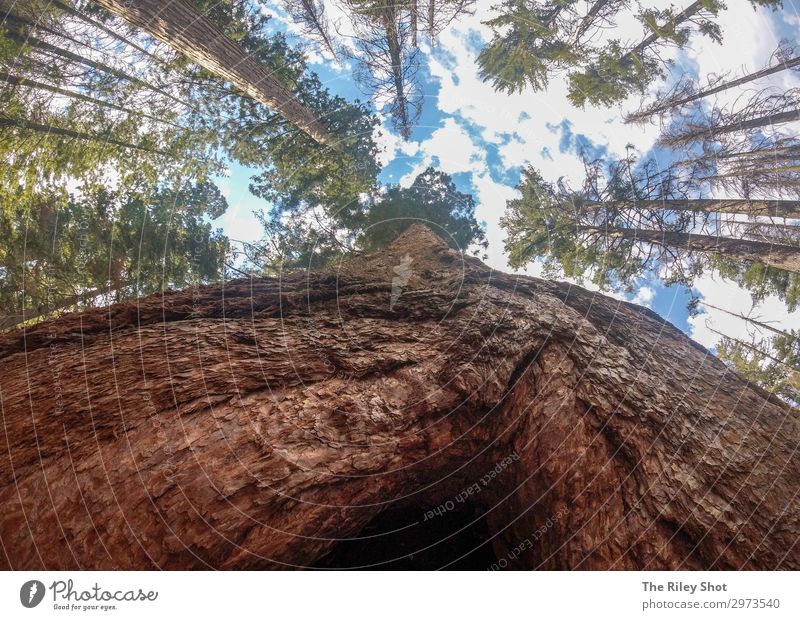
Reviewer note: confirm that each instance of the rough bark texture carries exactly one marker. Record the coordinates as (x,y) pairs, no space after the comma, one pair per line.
(190,33)
(254,424)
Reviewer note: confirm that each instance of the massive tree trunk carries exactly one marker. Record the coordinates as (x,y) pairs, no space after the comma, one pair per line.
(257,423)
(190,33)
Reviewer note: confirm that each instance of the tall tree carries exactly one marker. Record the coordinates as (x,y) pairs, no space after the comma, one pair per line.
(307,406)
(212,121)
(616,229)
(533,40)
(744,250)
(58,93)
(771,360)
(686,91)
(101,246)
(388,63)
(441,13)
(433,200)
(769,208)
(190,33)
(316,236)
(310,15)
(760,280)
(762,111)
(616,71)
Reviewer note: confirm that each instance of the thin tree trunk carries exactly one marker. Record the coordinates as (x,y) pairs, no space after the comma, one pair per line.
(786,387)
(745,171)
(98,66)
(773,254)
(701,94)
(785,152)
(693,134)
(432,20)
(389,14)
(255,424)
(681,17)
(65,6)
(586,22)
(20,81)
(754,349)
(190,33)
(768,208)
(765,154)
(414,22)
(770,328)
(786,234)
(71,133)
(10,322)
(310,10)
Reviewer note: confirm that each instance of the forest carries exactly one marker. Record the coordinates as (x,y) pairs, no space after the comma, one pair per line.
(273,297)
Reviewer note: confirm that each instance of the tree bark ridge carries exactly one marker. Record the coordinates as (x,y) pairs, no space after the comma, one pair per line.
(256,423)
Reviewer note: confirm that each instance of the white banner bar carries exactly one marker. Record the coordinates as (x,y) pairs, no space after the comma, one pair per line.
(402,595)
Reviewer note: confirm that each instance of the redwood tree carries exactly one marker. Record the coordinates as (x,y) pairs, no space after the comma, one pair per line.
(188,32)
(260,422)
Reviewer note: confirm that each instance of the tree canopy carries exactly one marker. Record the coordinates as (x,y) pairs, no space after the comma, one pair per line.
(534,41)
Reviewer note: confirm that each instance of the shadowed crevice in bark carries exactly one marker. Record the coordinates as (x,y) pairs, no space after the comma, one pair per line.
(263,423)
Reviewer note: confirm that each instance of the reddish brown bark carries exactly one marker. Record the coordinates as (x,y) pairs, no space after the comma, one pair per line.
(254,424)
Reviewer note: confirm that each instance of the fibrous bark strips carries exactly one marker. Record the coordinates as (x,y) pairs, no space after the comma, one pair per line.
(255,423)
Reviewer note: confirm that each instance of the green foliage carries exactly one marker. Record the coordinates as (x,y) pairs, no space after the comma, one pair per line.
(596,233)
(526,47)
(300,173)
(612,77)
(774,363)
(42,159)
(295,241)
(534,41)
(552,225)
(761,280)
(432,200)
(313,237)
(197,124)
(100,246)
(772,4)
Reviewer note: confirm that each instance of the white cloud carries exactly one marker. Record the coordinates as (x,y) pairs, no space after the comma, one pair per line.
(491,200)
(455,149)
(416,170)
(644,296)
(387,141)
(729,296)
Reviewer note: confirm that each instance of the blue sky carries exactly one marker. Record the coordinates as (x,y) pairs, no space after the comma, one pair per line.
(483,138)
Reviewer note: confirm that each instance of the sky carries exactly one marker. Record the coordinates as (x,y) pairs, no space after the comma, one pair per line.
(484,138)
